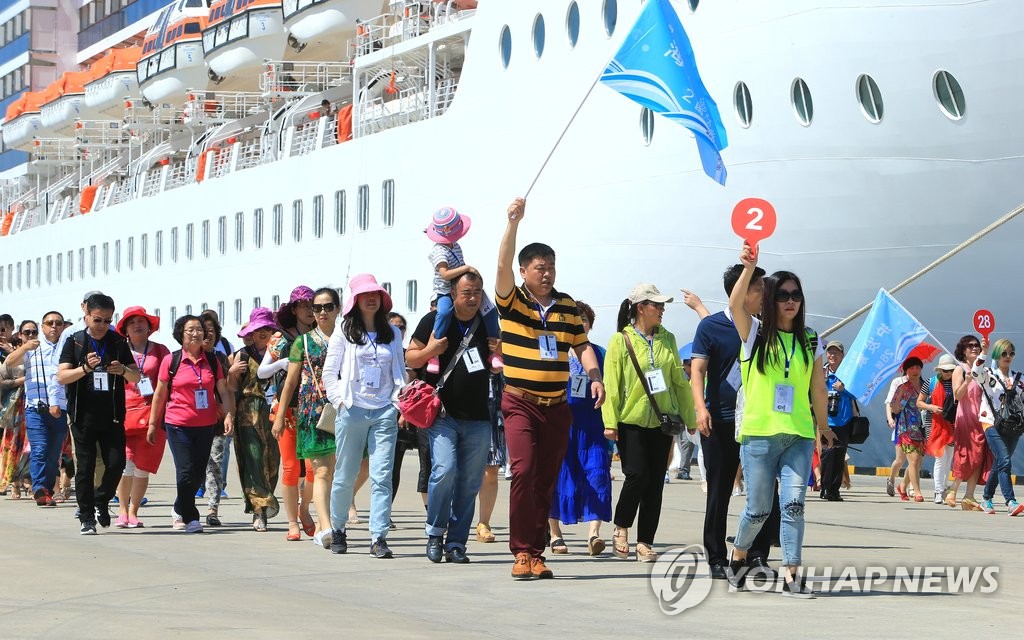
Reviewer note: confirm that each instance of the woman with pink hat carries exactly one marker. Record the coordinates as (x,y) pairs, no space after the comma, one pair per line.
(142,458)
(446,228)
(256,452)
(363,373)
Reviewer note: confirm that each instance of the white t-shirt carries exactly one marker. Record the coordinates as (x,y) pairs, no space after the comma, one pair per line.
(373,386)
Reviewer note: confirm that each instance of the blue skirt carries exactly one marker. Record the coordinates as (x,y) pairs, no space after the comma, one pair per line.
(584,489)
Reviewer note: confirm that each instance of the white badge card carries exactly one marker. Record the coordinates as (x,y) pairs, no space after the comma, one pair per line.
(656,381)
(100,381)
(471,357)
(202,399)
(735,378)
(371,377)
(548,344)
(784,394)
(579,386)
(145,386)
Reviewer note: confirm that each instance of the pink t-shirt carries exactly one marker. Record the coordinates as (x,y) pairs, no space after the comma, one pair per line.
(191,377)
(148,361)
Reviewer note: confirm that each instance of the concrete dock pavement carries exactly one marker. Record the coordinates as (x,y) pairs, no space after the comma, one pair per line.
(231,582)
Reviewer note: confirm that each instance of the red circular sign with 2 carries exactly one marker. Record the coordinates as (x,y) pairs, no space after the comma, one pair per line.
(984,323)
(753,219)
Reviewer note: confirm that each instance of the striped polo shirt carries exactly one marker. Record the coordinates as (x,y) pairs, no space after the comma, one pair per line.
(521,324)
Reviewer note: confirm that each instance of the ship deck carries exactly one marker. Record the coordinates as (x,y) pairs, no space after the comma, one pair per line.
(231,582)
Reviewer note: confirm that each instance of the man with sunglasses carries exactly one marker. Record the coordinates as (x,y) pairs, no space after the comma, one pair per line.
(94,364)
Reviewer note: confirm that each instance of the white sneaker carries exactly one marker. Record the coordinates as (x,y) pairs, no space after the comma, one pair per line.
(176,521)
(938,498)
(323,538)
(194,527)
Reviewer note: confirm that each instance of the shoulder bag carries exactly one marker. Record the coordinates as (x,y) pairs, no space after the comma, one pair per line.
(328,414)
(418,402)
(670,425)
(860,427)
(1009,417)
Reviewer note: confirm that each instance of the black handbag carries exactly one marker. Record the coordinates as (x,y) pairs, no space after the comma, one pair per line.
(670,425)
(1009,417)
(860,428)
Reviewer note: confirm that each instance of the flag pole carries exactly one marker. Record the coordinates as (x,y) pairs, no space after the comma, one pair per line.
(957,249)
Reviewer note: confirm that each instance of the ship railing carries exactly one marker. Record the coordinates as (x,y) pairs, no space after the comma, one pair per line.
(250,154)
(223,106)
(221,159)
(180,174)
(151,182)
(55,151)
(305,138)
(101,134)
(445,12)
(102,176)
(286,79)
(376,115)
(162,117)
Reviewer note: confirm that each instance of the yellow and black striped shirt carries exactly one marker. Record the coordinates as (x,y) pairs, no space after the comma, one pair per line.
(521,324)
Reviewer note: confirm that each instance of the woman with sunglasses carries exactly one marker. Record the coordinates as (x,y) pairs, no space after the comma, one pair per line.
(996,382)
(783,378)
(305,373)
(971,456)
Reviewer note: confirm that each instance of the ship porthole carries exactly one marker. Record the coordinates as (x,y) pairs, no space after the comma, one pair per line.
(950,95)
(572,24)
(744,105)
(505,46)
(802,103)
(611,16)
(538,35)
(647,125)
(693,5)
(870,97)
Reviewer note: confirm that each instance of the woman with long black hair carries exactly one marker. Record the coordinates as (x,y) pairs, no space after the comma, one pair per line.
(781,367)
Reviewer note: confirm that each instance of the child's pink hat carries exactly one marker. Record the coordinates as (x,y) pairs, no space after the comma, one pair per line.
(448,226)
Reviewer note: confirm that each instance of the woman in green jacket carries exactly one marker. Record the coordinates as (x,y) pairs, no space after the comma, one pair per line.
(630,419)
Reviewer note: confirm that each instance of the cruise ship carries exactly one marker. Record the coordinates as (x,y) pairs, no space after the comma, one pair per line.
(184,159)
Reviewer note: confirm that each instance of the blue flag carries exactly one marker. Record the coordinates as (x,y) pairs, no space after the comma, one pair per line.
(888,336)
(655,67)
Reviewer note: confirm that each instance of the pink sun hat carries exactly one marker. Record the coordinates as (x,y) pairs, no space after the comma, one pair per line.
(448,225)
(260,318)
(365,283)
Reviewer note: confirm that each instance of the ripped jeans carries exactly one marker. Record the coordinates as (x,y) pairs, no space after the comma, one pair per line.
(787,457)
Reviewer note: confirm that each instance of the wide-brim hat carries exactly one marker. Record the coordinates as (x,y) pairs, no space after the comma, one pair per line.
(448,225)
(137,312)
(260,318)
(365,283)
(946,363)
(645,292)
(301,293)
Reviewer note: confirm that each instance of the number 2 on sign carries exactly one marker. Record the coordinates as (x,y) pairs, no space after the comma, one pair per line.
(755,221)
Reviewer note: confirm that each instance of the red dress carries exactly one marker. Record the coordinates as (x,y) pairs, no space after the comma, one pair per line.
(970,451)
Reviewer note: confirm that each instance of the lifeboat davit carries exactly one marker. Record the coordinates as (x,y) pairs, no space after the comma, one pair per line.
(239,36)
(172,59)
(24,121)
(64,103)
(113,80)
(325,25)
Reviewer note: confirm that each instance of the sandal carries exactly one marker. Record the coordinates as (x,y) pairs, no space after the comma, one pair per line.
(60,496)
(259,522)
(951,500)
(595,545)
(620,543)
(903,493)
(558,546)
(644,553)
(969,504)
(293,537)
(484,533)
(308,526)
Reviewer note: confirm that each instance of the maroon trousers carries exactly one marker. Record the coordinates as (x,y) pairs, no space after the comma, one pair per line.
(537,438)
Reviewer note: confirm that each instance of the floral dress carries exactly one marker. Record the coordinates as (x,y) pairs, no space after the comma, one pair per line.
(311,351)
(256,452)
(909,428)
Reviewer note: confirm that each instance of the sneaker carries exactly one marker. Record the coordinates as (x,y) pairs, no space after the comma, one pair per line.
(666,477)
(434,365)
(539,569)
(379,549)
(938,498)
(1013,509)
(135,523)
(176,522)
(988,507)
(194,527)
(890,487)
(797,588)
(212,519)
(339,543)
(88,528)
(684,474)
(323,538)
(103,516)
(223,493)
(521,569)
(200,493)
(122,521)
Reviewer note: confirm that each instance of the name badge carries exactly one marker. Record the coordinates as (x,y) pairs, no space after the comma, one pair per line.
(735,378)
(579,386)
(100,381)
(202,399)
(145,386)
(656,381)
(471,357)
(548,344)
(371,377)
(784,394)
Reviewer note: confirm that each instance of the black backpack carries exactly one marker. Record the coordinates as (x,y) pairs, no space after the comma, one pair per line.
(1009,417)
(211,356)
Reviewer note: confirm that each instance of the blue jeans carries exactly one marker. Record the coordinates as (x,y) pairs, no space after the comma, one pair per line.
(764,458)
(1002,450)
(459,450)
(445,311)
(375,430)
(46,437)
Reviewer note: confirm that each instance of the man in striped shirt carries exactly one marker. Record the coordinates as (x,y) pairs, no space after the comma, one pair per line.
(538,328)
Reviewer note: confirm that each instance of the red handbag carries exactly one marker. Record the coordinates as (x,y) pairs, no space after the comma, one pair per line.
(136,419)
(418,402)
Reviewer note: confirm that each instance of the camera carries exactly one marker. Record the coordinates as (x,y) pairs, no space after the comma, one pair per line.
(833,404)
(41,407)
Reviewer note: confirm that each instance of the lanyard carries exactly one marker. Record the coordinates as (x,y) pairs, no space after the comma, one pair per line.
(788,355)
(650,343)
(372,335)
(144,352)
(464,328)
(199,372)
(544,314)
(96,348)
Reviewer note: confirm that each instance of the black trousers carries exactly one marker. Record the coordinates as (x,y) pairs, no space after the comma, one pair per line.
(642,452)
(402,444)
(833,461)
(721,460)
(108,440)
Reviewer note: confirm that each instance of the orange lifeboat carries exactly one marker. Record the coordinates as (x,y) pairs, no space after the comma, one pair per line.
(172,59)
(8,221)
(64,102)
(239,36)
(23,121)
(88,199)
(113,79)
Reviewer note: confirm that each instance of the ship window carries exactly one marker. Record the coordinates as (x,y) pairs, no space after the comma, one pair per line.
(81,265)
(388,204)
(220,311)
(950,95)
(71,266)
(188,309)
(1,279)
(92,261)
(339,211)
(238,311)
(106,258)
(59,267)
(192,27)
(49,272)
(538,35)
(174,314)
(278,224)
(130,257)
(256,302)
(744,106)
(117,256)
(318,216)
(411,295)
(297,220)
(647,125)
(143,249)
(240,231)
(692,4)
(204,239)
(572,24)
(363,207)
(10,277)
(275,302)
(28,274)
(257,228)
(189,238)
(870,98)
(174,244)
(802,102)
(611,16)
(18,267)
(505,46)
(39,271)
(222,234)
(386,286)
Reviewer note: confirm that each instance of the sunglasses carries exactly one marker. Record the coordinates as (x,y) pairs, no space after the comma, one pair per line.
(102,320)
(1005,354)
(795,295)
(973,345)
(30,333)
(656,305)
(54,323)
(327,307)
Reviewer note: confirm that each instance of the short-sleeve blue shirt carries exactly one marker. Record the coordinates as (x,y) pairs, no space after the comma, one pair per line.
(717,342)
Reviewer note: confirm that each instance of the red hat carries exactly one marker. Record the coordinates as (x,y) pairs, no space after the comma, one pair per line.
(133,312)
